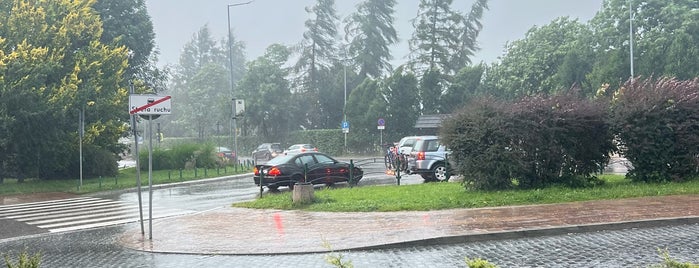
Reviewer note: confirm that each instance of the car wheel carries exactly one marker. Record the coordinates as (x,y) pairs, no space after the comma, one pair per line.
(439,172)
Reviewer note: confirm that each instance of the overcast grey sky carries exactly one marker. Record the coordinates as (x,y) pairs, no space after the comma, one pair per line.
(264,22)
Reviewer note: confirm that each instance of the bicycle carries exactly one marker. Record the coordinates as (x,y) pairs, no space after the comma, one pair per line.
(390,156)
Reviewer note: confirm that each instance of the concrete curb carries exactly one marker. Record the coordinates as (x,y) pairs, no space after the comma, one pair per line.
(538,232)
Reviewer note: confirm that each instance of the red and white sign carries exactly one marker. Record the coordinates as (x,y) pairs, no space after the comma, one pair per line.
(149,104)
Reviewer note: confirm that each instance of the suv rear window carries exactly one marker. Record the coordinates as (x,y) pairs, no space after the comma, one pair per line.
(427,145)
(276,146)
(432,145)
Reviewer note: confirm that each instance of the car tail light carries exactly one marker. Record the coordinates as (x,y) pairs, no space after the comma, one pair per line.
(343,170)
(274,171)
(315,149)
(420,156)
(256,171)
(303,150)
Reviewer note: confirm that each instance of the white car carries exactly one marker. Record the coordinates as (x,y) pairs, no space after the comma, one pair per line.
(300,148)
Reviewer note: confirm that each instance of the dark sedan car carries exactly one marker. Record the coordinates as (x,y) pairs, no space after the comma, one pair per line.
(287,170)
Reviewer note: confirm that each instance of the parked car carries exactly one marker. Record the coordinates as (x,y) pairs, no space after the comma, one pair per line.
(405,145)
(287,170)
(225,153)
(300,148)
(267,151)
(429,159)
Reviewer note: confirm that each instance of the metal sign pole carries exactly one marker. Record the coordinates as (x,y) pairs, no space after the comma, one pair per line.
(138,166)
(150,177)
(149,105)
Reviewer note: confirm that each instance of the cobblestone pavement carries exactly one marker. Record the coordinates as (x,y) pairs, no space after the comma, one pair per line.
(636,247)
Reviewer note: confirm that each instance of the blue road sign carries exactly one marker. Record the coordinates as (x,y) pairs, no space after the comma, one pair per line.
(345,124)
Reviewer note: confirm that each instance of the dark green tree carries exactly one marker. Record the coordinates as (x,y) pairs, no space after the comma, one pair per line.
(53,67)
(127,23)
(370,33)
(549,59)
(317,55)
(436,34)
(465,87)
(430,91)
(665,34)
(364,107)
(201,85)
(270,111)
(467,44)
(402,105)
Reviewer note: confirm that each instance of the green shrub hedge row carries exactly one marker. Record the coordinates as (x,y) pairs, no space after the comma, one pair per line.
(543,140)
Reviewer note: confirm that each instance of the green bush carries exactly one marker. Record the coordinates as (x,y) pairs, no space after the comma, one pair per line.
(669,262)
(99,162)
(24,261)
(536,141)
(658,128)
(181,156)
(479,263)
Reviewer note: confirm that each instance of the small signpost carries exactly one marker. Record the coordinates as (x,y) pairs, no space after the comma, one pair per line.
(345,126)
(381,126)
(147,105)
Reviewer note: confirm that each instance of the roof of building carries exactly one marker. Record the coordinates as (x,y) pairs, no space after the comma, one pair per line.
(430,120)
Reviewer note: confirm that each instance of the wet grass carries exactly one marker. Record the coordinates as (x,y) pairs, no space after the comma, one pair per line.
(448,195)
(126,179)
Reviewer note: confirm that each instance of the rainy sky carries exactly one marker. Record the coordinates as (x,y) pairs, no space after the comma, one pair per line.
(264,22)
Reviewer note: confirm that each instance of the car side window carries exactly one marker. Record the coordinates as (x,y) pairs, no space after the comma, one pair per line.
(432,146)
(324,159)
(305,159)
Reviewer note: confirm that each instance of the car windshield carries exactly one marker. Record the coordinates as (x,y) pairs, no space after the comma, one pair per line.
(276,146)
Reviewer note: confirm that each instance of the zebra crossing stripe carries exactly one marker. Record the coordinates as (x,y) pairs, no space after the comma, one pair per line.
(80,213)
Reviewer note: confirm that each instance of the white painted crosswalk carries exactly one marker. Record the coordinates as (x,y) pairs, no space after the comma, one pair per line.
(81,213)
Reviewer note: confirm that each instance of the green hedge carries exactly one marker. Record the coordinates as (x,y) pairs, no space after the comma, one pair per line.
(658,126)
(534,142)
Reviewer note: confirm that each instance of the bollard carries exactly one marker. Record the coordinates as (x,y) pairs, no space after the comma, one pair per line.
(100,180)
(180,174)
(446,167)
(351,173)
(305,173)
(398,171)
(205,173)
(195,172)
(116,182)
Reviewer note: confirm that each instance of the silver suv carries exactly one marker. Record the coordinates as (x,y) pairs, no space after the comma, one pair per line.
(428,158)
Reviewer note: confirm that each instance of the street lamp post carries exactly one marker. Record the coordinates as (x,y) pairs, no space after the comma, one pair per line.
(81,134)
(631,17)
(234,127)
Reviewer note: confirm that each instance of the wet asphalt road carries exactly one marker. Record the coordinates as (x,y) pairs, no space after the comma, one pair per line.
(99,248)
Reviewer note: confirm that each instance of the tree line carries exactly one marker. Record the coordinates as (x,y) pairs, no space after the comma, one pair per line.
(62,58)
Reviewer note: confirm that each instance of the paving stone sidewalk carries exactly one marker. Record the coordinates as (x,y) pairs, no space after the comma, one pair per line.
(241,231)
